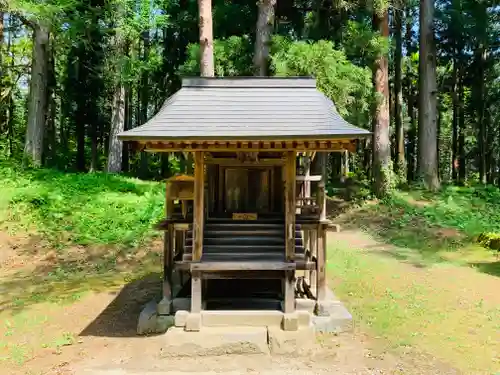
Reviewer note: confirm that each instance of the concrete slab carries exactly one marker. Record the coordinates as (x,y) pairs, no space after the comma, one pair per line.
(301,341)
(251,318)
(212,341)
(304,318)
(303,304)
(328,307)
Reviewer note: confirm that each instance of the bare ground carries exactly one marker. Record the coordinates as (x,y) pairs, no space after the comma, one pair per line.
(96,335)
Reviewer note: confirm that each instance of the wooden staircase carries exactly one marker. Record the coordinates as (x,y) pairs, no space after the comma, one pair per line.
(258,240)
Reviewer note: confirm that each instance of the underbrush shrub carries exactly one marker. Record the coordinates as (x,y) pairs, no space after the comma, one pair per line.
(490,240)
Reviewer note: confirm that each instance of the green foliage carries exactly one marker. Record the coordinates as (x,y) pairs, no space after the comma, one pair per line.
(80,208)
(349,86)
(362,45)
(232,57)
(490,240)
(471,210)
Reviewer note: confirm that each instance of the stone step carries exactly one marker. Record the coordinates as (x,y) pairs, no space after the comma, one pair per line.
(213,341)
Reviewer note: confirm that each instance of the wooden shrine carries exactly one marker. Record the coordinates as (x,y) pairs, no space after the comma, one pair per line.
(255,207)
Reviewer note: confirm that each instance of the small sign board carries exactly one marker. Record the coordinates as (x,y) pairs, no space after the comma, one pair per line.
(244,216)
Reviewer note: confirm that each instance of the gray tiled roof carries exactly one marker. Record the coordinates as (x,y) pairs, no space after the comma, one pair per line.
(246,108)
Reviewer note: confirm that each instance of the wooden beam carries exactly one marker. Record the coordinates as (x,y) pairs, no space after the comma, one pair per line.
(241,266)
(199,212)
(248,146)
(309,178)
(290,204)
(237,163)
(323,158)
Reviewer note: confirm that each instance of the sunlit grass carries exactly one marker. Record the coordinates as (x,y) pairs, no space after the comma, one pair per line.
(77,208)
(421,308)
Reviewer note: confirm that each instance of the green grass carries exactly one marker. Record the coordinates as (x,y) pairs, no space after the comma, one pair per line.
(77,208)
(450,312)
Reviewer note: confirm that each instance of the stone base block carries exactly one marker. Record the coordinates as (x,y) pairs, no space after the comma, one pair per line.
(212,341)
(181,318)
(301,341)
(147,319)
(290,322)
(150,322)
(164,306)
(193,322)
(339,320)
(253,318)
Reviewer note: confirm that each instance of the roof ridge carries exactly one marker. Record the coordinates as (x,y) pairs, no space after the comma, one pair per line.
(250,82)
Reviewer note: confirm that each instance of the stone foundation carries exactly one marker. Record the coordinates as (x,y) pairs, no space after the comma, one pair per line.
(328,316)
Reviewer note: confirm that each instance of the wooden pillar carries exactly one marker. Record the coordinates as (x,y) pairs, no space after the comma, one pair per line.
(198,221)
(196,292)
(321,239)
(323,157)
(198,212)
(321,273)
(289,286)
(168,249)
(290,204)
(313,274)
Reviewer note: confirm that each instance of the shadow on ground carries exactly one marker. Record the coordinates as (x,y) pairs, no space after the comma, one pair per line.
(119,318)
(491,268)
(43,275)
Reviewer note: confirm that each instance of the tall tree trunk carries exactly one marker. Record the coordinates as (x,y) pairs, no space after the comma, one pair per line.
(50,152)
(120,105)
(410,101)
(81,78)
(454,138)
(3,107)
(481,124)
(206,38)
(265,23)
(398,104)
(10,98)
(117,126)
(490,150)
(382,172)
(427,129)
(144,102)
(37,99)
(127,126)
(461,130)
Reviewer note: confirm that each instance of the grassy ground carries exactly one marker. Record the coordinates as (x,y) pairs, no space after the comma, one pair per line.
(430,228)
(417,277)
(79,209)
(70,242)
